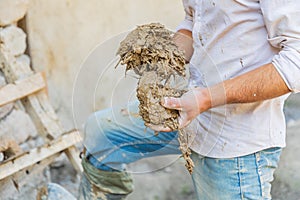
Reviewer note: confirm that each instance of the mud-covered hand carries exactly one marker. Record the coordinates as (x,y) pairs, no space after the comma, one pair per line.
(189,105)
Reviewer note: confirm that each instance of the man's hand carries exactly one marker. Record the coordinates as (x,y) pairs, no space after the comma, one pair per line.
(184,41)
(189,105)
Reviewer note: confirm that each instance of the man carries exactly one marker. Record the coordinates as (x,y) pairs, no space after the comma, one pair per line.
(244,62)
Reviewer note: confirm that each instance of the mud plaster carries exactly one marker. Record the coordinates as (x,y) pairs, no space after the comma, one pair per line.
(151,53)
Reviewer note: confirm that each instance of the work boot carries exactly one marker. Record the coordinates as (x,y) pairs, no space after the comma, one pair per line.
(103,185)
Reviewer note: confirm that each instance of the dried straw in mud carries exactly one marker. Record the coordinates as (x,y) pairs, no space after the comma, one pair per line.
(151,53)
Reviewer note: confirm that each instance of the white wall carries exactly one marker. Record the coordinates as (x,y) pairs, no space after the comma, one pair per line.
(63,32)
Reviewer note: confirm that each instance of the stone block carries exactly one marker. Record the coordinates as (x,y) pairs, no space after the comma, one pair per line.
(6,109)
(17,126)
(24,60)
(12,10)
(2,79)
(12,40)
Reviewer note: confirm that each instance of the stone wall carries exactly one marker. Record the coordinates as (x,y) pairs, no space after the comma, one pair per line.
(17,131)
(15,124)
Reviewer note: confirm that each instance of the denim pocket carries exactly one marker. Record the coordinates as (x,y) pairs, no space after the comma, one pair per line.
(267,161)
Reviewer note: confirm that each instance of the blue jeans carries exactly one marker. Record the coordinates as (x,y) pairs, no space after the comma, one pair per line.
(116,136)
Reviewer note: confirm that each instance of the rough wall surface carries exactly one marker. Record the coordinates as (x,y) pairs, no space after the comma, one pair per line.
(15,124)
(63,32)
(12,10)
(17,130)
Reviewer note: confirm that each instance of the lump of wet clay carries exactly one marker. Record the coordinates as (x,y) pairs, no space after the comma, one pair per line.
(152,54)
(150,91)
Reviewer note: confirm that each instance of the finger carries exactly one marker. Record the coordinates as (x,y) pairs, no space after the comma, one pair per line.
(159,128)
(183,120)
(171,103)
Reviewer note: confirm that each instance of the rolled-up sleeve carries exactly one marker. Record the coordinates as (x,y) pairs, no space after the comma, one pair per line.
(282,20)
(187,23)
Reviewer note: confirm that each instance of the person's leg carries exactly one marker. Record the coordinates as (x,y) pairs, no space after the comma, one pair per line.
(114,137)
(243,178)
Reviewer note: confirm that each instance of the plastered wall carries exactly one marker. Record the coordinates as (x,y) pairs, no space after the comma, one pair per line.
(63,32)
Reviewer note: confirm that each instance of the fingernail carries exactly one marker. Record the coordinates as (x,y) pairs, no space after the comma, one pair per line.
(164,101)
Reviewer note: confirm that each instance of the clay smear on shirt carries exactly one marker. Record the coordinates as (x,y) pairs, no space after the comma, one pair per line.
(151,53)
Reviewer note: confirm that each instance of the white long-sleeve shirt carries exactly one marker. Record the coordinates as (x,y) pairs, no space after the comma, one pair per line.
(232,37)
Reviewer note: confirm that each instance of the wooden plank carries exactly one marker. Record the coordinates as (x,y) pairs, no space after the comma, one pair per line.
(73,155)
(27,159)
(37,106)
(20,89)
(13,72)
(43,116)
(11,184)
(21,176)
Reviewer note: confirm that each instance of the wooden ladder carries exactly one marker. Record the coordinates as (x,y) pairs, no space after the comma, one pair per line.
(31,89)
